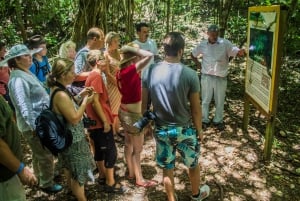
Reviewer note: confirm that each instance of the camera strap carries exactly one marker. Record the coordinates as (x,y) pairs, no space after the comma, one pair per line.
(149,95)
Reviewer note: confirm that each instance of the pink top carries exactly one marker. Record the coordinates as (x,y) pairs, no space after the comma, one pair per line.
(129,84)
(95,80)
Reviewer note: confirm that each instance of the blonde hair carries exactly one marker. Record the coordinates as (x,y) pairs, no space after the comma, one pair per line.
(64,48)
(93,56)
(109,37)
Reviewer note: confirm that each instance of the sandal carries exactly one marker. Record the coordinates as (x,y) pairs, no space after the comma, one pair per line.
(203,190)
(101,181)
(114,189)
(147,184)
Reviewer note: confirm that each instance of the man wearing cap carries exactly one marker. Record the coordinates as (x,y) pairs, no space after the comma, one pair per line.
(215,52)
(29,98)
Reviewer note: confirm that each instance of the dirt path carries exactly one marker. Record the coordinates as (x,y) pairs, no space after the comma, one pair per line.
(231,164)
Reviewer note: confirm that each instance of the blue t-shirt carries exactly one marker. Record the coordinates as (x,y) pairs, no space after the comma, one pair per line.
(40,68)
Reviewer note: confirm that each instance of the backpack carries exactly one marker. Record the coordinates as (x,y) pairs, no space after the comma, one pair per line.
(44,68)
(53,133)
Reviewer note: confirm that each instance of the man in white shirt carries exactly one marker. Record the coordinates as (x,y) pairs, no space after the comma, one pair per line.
(143,40)
(215,52)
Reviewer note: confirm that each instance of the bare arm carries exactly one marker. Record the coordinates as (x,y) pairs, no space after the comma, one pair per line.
(194,99)
(63,104)
(195,59)
(9,160)
(146,56)
(99,111)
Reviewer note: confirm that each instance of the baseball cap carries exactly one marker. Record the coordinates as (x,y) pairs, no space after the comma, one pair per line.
(16,51)
(213,28)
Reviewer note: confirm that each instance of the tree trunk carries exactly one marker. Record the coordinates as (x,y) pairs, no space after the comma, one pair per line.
(225,7)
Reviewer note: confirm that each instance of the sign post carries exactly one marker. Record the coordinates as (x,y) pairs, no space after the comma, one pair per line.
(265,40)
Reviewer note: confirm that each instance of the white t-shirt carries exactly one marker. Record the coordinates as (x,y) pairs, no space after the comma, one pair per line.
(149,45)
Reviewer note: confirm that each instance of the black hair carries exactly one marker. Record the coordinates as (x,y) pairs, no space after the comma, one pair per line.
(172,43)
(35,41)
(139,26)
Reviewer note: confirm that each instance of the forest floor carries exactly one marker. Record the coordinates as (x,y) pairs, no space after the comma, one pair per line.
(231,161)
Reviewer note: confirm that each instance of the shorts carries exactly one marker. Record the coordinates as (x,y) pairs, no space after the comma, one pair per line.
(105,148)
(172,138)
(127,120)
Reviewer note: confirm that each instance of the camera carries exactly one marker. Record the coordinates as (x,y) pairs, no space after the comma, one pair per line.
(88,122)
(142,122)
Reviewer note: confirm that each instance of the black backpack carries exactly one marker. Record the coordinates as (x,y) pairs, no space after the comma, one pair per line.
(53,133)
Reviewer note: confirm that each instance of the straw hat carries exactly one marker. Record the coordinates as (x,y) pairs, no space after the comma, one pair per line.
(16,51)
(128,55)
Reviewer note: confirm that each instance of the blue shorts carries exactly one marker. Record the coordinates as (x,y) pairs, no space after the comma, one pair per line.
(172,138)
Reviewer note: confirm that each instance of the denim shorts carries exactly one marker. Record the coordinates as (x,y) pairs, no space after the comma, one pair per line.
(170,139)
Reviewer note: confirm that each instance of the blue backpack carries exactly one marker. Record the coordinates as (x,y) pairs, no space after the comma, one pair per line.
(53,134)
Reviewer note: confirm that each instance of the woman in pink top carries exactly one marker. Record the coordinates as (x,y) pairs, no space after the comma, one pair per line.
(129,84)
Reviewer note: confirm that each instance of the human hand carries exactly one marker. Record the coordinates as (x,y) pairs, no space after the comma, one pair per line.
(27,177)
(200,135)
(86,91)
(107,127)
(90,97)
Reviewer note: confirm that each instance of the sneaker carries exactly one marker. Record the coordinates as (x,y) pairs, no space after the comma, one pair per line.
(52,189)
(220,126)
(203,193)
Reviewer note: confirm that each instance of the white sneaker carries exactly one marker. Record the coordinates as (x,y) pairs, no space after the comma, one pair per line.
(204,189)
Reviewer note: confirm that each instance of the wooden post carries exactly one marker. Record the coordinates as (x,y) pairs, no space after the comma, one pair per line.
(246,114)
(269,138)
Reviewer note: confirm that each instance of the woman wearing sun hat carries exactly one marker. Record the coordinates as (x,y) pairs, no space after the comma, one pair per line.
(29,97)
(129,83)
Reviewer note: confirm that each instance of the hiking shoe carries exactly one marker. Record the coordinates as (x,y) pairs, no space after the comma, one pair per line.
(220,126)
(203,193)
(52,189)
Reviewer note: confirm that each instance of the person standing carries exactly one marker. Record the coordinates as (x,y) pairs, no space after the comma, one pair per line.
(76,159)
(215,53)
(174,93)
(144,42)
(112,56)
(40,64)
(29,97)
(13,172)
(95,41)
(101,133)
(129,83)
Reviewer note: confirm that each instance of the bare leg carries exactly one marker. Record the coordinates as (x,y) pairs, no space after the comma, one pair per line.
(194,174)
(128,150)
(101,169)
(78,190)
(168,180)
(137,144)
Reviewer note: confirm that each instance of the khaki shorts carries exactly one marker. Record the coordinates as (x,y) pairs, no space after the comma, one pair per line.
(127,120)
